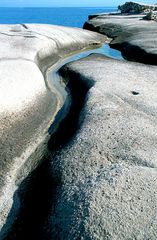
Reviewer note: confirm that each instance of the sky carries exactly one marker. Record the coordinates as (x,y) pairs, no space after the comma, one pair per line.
(65,3)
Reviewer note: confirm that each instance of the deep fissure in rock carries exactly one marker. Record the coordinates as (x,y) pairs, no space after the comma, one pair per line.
(77,88)
(37,193)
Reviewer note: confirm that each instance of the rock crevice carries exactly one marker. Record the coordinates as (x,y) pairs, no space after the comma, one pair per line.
(28,106)
(38,192)
(108,171)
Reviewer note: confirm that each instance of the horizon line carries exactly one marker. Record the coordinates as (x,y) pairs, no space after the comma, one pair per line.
(58,6)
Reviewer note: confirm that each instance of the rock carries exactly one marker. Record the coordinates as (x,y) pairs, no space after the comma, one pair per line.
(133,36)
(135,8)
(150,16)
(106,175)
(29,102)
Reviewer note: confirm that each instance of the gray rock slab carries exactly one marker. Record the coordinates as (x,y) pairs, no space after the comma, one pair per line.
(135,37)
(28,102)
(107,174)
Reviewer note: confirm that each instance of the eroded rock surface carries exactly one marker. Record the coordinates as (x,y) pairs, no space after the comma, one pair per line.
(28,100)
(107,174)
(135,37)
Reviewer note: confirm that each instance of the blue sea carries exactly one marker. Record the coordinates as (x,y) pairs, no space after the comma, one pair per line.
(74,17)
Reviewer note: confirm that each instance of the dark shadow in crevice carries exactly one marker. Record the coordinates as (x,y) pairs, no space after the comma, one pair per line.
(36,196)
(135,53)
(37,193)
(77,88)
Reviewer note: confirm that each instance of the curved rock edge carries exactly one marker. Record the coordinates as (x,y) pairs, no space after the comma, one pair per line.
(130,34)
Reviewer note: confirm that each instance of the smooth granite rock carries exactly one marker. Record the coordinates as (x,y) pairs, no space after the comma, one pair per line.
(134,7)
(135,37)
(107,174)
(28,100)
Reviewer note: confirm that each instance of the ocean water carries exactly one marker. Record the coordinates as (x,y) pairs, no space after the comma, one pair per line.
(74,17)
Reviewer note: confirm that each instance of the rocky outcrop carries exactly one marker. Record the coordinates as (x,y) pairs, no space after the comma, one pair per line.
(103,168)
(133,36)
(150,16)
(106,175)
(29,102)
(135,8)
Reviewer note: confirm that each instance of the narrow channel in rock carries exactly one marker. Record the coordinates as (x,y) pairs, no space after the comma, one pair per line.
(37,192)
